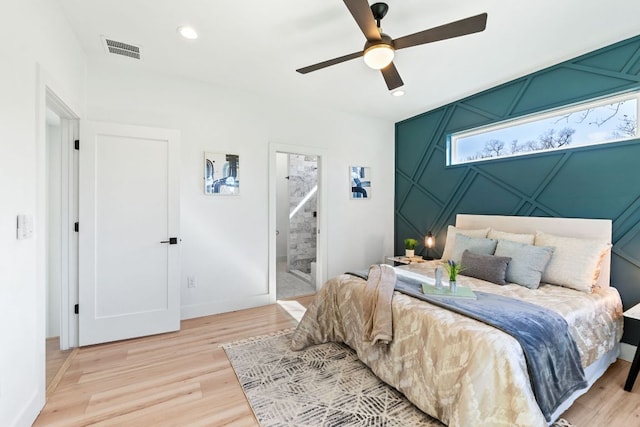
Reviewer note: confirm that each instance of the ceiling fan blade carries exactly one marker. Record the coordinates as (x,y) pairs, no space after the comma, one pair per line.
(361,12)
(471,25)
(392,77)
(328,63)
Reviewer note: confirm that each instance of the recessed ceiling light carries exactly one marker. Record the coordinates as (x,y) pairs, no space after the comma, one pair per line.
(398,92)
(188,32)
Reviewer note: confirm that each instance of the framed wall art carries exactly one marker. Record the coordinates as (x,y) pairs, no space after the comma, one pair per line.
(360,182)
(221,174)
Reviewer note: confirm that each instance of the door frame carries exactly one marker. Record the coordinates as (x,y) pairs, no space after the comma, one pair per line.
(49,95)
(68,244)
(321,243)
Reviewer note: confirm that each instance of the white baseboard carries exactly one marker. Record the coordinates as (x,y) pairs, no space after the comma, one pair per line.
(222,306)
(627,351)
(30,411)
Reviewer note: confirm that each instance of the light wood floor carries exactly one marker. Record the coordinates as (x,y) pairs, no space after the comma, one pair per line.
(56,359)
(184,379)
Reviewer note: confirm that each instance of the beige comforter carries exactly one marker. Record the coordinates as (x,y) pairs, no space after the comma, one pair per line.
(461,371)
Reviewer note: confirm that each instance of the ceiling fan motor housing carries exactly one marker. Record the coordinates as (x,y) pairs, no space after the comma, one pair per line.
(384,39)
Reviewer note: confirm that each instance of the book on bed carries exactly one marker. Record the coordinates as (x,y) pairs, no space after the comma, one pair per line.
(461,292)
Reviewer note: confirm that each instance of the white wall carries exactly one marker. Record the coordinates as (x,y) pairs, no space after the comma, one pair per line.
(34,32)
(225,239)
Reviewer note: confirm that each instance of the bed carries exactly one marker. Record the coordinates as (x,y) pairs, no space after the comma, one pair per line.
(465,372)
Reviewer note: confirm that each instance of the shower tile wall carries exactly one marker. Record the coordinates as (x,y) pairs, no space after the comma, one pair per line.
(303,176)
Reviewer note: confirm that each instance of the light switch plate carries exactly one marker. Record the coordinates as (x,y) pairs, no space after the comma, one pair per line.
(24,226)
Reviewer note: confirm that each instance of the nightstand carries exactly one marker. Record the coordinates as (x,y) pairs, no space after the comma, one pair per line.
(633,313)
(403,260)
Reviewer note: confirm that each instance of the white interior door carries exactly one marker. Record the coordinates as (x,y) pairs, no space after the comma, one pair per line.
(129,267)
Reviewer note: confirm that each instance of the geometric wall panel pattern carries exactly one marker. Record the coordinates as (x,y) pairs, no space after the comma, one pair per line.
(589,182)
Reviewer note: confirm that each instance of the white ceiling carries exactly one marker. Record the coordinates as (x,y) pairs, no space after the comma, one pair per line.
(256,46)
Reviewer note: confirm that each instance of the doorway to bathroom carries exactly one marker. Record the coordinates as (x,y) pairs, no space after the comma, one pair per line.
(296,224)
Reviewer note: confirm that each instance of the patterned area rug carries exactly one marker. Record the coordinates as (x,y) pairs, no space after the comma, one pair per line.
(324,385)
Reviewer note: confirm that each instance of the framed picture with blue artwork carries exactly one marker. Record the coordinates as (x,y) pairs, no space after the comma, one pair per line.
(360,182)
(221,174)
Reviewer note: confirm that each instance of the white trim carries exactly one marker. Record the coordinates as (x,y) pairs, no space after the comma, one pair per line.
(192,311)
(29,411)
(68,215)
(321,261)
(69,240)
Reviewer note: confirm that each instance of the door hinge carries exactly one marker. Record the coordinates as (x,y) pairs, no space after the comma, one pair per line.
(76,144)
(76,227)
(76,308)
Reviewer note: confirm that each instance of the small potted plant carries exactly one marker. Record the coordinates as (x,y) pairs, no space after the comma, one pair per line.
(453,269)
(410,246)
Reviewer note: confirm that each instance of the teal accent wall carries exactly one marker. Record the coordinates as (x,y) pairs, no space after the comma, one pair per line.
(589,182)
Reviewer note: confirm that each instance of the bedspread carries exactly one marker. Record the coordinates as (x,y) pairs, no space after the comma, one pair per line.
(459,370)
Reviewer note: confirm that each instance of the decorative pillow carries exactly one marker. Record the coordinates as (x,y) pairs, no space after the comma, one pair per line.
(477,245)
(451,238)
(575,262)
(486,267)
(527,262)
(512,237)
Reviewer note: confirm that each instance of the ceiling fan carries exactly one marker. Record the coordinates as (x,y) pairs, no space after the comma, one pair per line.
(379,48)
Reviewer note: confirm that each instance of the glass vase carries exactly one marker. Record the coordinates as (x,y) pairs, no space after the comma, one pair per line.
(438,275)
(453,286)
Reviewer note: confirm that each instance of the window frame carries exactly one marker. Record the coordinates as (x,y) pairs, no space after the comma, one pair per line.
(454,137)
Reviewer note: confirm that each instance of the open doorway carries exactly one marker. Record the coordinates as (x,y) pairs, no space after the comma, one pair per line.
(300,256)
(55,356)
(297,224)
(60,213)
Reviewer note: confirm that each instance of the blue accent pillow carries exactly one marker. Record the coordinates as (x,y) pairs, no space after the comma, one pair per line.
(527,264)
(477,245)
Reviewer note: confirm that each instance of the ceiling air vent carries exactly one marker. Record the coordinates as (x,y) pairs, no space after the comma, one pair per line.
(121,48)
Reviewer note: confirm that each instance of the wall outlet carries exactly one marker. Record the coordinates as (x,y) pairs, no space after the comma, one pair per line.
(191,281)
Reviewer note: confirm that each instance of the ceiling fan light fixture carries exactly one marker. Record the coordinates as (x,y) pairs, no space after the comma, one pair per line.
(379,55)
(397,92)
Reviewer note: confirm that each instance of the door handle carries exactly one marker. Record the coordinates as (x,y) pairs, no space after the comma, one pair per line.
(171,241)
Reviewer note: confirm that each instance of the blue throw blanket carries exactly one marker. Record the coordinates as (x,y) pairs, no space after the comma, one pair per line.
(552,356)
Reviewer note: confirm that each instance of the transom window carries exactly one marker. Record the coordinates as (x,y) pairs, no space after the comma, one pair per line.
(602,121)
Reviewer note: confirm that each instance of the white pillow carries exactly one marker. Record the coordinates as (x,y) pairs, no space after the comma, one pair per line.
(527,239)
(450,243)
(575,262)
